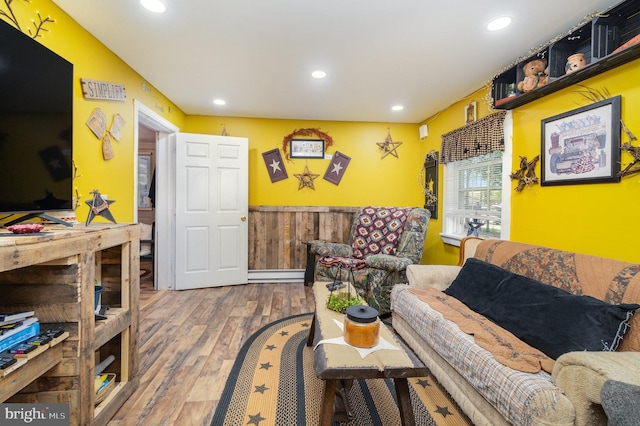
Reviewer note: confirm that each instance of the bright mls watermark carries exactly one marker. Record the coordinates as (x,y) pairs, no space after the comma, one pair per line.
(34,414)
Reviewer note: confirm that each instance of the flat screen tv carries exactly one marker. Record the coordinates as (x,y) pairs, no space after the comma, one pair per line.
(36,116)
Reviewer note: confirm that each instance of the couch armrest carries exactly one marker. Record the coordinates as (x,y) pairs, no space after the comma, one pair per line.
(436,276)
(387,262)
(325,248)
(581,375)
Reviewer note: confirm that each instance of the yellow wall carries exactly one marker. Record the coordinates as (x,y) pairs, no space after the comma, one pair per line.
(368,180)
(598,219)
(92,60)
(595,218)
(436,251)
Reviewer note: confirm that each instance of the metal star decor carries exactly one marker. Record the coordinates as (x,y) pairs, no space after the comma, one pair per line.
(389,146)
(98,206)
(306,179)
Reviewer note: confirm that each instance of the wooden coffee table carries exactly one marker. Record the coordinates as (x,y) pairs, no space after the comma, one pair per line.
(336,364)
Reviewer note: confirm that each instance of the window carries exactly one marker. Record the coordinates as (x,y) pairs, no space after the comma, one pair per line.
(476,197)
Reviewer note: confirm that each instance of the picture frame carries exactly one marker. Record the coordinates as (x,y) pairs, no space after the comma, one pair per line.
(582,146)
(145,169)
(470,112)
(306,148)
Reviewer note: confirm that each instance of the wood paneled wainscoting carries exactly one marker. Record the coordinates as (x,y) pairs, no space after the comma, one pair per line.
(277,234)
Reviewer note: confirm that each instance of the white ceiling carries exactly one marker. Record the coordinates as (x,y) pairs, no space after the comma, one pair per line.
(258,54)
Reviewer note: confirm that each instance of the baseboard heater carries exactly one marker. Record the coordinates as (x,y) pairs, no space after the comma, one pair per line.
(276,276)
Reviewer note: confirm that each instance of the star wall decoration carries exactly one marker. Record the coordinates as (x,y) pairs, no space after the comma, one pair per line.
(306,179)
(526,175)
(337,167)
(275,165)
(389,146)
(98,206)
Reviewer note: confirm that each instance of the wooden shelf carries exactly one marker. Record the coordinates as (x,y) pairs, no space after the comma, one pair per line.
(26,371)
(117,320)
(598,40)
(53,274)
(104,411)
(591,70)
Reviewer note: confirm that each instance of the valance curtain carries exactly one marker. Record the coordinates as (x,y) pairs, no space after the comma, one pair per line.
(474,139)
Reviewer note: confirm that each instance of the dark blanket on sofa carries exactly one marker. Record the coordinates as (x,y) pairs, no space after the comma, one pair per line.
(547,318)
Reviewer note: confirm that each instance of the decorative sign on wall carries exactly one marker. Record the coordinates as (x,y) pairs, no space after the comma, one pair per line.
(337,168)
(98,206)
(275,165)
(116,127)
(97,122)
(430,168)
(103,90)
(107,148)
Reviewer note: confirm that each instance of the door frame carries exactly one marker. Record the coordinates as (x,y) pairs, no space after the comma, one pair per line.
(165,180)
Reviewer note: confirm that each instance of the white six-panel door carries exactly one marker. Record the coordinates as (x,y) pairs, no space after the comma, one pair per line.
(211,211)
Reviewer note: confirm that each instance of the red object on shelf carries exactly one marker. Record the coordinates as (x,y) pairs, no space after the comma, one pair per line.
(29,228)
(631,42)
(503,100)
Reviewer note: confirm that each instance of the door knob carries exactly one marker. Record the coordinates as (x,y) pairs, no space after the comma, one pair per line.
(243,218)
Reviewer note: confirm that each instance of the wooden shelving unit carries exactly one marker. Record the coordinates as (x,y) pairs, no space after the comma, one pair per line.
(53,274)
(598,40)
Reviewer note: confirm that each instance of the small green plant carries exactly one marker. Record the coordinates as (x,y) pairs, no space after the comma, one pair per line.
(341,301)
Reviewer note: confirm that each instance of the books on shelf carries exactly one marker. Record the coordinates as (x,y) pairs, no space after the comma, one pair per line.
(29,328)
(11,317)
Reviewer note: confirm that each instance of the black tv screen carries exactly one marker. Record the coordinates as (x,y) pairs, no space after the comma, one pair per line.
(36,116)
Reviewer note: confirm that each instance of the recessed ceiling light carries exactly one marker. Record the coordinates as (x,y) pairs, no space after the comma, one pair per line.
(499,23)
(397,108)
(318,74)
(155,6)
(219,102)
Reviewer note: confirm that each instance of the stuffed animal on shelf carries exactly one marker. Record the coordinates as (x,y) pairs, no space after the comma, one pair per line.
(535,75)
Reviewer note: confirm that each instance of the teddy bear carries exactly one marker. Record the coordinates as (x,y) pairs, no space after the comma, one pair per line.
(535,75)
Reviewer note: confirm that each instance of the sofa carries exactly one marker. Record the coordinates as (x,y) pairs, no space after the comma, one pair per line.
(496,375)
(383,241)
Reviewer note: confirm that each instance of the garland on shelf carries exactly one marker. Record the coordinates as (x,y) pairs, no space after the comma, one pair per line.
(328,140)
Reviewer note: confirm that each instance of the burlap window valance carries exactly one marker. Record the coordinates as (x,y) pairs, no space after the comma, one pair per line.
(474,139)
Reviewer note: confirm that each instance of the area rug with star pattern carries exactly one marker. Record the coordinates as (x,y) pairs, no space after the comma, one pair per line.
(273,382)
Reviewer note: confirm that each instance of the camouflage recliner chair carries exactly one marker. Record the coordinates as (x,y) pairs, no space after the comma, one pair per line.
(383,242)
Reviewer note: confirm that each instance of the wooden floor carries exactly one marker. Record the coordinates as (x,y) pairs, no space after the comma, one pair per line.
(189,340)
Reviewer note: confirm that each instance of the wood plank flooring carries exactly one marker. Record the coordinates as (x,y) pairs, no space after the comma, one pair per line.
(188,342)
